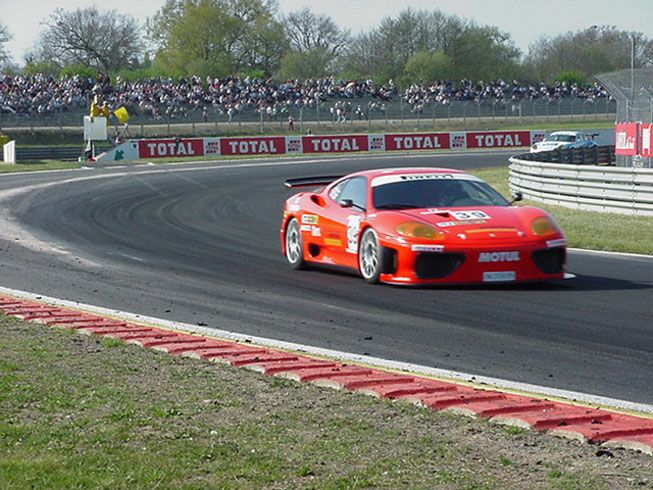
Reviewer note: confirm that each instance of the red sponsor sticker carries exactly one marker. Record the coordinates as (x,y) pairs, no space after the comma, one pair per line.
(646,140)
(334,144)
(498,139)
(426,141)
(625,138)
(253,146)
(184,147)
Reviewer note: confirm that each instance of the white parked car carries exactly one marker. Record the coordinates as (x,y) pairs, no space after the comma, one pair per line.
(564,139)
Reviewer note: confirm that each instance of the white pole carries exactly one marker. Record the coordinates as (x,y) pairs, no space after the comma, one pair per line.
(9,152)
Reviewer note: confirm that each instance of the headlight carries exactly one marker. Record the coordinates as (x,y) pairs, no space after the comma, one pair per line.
(413,229)
(544,226)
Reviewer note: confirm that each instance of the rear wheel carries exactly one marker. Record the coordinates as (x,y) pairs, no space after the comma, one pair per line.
(294,245)
(369,256)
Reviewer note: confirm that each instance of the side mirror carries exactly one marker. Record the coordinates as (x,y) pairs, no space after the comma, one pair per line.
(516,197)
(346,203)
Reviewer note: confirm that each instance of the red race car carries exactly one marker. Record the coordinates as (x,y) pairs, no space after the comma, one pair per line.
(420,226)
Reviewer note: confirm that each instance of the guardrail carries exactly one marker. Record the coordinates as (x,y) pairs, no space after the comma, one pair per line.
(623,190)
(71,153)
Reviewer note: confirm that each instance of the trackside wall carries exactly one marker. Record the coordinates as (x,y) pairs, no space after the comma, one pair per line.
(310,145)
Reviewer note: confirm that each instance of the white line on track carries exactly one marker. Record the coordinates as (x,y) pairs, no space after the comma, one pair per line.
(607,252)
(490,382)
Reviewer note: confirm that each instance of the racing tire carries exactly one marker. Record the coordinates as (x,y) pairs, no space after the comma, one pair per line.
(369,256)
(294,245)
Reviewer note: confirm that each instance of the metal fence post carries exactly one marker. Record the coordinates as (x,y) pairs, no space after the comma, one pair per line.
(596,111)
(301,119)
(261,120)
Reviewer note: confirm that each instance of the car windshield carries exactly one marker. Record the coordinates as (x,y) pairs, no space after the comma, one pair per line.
(434,193)
(567,138)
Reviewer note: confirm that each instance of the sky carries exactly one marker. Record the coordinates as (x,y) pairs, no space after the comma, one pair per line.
(525,20)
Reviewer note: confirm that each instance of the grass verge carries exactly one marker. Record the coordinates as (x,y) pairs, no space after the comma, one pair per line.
(37,165)
(587,229)
(88,413)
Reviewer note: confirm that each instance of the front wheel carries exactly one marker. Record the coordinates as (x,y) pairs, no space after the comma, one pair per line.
(369,256)
(294,245)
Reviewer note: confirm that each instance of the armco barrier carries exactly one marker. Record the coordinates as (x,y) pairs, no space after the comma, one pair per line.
(303,145)
(36,153)
(623,190)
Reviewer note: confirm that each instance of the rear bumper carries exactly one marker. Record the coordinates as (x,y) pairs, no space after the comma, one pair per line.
(432,264)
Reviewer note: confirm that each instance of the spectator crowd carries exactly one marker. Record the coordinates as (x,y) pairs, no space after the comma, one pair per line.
(161,98)
(443,92)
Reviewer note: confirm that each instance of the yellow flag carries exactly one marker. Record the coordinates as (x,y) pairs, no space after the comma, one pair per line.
(121,114)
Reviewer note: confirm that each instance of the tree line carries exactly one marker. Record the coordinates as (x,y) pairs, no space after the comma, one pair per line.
(220,38)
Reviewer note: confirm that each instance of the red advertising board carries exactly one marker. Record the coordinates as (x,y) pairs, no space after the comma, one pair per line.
(646,140)
(273,145)
(626,138)
(334,144)
(182,147)
(498,139)
(426,141)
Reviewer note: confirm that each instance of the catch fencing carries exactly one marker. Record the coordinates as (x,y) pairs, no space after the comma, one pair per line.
(633,91)
(359,113)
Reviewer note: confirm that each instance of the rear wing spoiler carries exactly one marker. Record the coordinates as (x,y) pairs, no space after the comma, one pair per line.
(311,181)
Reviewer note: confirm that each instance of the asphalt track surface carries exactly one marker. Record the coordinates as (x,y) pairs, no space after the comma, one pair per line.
(199,243)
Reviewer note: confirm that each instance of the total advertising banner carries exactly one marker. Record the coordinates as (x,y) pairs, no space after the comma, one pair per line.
(647,140)
(180,147)
(422,141)
(498,139)
(264,145)
(297,144)
(335,144)
(625,138)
